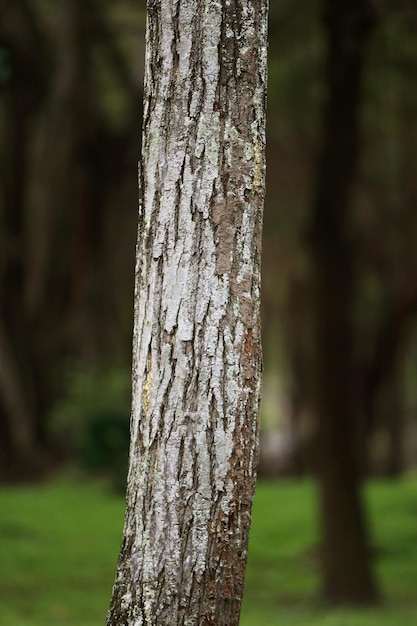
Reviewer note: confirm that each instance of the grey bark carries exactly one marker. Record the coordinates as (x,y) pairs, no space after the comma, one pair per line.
(197,352)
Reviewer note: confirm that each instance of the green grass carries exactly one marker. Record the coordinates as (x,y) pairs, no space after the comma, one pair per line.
(59,545)
(58,552)
(282,582)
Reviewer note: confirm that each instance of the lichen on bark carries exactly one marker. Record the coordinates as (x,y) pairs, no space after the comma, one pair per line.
(196,352)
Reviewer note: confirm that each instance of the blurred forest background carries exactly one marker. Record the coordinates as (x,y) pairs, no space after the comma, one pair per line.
(339,296)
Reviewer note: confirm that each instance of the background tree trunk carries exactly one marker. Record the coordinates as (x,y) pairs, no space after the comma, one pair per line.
(22,93)
(197,352)
(347,574)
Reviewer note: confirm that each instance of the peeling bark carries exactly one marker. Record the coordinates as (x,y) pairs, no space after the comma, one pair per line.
(197,351)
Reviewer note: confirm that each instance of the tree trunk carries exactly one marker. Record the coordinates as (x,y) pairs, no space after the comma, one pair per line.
(21,95)
(21,453)
(197,352)
(347,575)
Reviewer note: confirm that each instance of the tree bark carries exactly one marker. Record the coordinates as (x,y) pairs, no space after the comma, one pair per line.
(197,352)
(347,576)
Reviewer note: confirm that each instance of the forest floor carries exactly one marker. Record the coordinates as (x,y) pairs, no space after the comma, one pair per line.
(59,544)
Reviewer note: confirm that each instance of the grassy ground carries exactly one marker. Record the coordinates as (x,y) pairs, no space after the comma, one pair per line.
(282,584)
(59,545)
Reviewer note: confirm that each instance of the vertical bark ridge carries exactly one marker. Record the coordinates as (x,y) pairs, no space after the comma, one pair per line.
(197,353)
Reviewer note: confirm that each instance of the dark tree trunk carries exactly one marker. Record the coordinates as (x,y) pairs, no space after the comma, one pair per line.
(60,180)
(21,94)
(347,575)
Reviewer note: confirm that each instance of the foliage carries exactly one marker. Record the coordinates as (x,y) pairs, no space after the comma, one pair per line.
(59,544)
(93,421)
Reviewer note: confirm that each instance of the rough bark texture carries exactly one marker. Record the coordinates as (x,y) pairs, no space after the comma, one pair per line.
(347,575)
(197,353)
